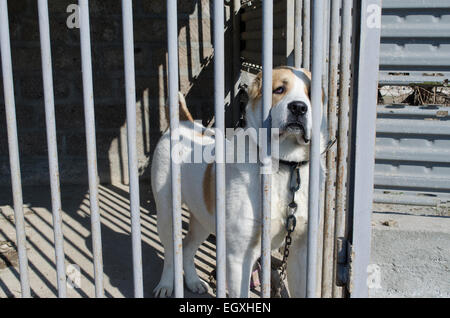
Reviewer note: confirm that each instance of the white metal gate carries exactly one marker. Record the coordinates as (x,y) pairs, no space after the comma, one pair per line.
(344,66)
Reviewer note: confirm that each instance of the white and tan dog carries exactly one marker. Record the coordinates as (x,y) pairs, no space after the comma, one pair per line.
(291,114)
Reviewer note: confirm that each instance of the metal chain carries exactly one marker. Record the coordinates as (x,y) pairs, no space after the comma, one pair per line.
(291,221)
(287,245)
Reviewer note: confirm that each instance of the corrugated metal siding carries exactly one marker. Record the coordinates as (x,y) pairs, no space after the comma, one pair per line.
(415,41)
(413,143)
(413,154)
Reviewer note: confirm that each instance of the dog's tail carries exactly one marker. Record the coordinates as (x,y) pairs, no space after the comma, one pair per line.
(185,114)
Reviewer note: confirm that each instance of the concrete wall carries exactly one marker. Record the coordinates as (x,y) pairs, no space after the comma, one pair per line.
(196,82)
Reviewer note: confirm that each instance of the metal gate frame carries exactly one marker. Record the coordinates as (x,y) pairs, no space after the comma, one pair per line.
(357,156)
(363,132)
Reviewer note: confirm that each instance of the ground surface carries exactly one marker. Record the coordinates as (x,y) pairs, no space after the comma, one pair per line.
(116,243)
(411,249)
(410,246)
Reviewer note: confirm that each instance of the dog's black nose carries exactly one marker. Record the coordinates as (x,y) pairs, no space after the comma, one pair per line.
(298,108)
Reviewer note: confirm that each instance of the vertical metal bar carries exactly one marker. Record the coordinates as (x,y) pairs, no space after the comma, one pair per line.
(130,88)
(266,180)
(52,144)
(172,39)
(330,190)
(363,141)
(219,106)
(13,144)
(236,82)
(343,117)
(306,34)
(314,182)
(325,76)
(91,145)
(326,47)
(298,29)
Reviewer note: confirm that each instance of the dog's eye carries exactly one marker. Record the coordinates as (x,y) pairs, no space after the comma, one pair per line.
(279,90)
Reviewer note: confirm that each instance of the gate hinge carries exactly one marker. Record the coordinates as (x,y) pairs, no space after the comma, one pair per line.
(345,256)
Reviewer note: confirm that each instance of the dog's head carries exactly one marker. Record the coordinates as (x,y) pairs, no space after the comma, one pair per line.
(291,111)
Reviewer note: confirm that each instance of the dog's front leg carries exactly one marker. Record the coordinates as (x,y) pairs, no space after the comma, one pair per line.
(240,261)
(296,268)
(243,233)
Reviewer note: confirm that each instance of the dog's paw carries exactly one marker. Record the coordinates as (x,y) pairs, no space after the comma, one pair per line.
(163,290)
(197,286)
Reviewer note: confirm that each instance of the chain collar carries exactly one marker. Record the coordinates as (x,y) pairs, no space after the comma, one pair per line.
(291,220)
(300,164)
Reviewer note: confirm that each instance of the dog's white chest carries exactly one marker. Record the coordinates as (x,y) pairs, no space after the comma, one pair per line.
(282,196)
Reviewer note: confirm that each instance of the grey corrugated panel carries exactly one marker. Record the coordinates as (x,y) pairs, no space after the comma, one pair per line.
(403,198)
(399,153)
(412,152)
(416,26)
(415,42)
(415,4)
(413,182)
(415,56)
(422,128)
(405,126)
(405,78)
(422,111)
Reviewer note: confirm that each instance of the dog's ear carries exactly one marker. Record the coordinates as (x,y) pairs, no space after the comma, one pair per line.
(254,91)
(307,73)
(308,86)
(307,80)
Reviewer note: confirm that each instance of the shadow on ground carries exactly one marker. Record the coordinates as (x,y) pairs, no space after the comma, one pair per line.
(116,242)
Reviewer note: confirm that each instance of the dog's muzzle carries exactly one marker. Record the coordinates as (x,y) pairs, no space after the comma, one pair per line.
(296,124)
(297,128)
